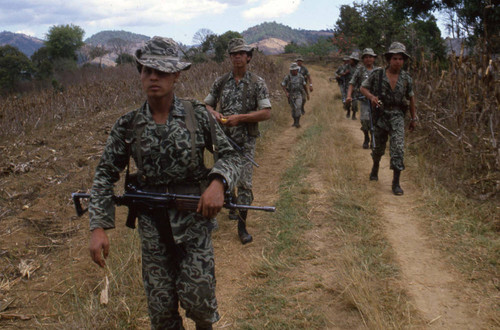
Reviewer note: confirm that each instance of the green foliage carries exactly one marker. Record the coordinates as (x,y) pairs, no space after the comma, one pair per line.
(14,66)
(63,41)
(104,37)
(321,48)
(213,46)
(376,24)
(42,63)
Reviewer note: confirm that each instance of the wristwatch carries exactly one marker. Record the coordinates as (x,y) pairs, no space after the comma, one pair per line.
(223,180)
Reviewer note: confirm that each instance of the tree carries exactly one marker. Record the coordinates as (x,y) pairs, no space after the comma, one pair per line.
(98,52)
(221,45)
(119,47)
(63,41)
(14,66)
(201,35)
(125,58)
(42,63)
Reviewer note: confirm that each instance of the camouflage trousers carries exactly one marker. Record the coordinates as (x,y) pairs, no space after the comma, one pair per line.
(392,124)
(244,185)
(176,273)
(297,104)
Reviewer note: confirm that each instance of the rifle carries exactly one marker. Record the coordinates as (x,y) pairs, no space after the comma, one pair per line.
(134,199)
(372,129)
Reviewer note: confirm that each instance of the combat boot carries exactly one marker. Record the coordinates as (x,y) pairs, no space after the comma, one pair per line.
(348,113)
(294,122)
(298,122)
(367,140)
(206,327)
(396,188)
(245,237)
(374,173)
(353,115)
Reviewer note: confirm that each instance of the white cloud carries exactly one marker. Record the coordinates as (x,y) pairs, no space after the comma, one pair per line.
(272,9)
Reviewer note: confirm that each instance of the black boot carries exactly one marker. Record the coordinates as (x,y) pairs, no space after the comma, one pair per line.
(353,115)
(348,113)
(294,122)
(298,122)
(396,188)
(367,140)
(245,237)
(374,173)
(206,327)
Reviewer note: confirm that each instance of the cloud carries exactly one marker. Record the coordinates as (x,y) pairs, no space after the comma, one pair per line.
(109,13)
(272,9)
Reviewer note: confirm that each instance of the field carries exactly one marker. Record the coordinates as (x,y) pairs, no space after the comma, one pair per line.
(340,252)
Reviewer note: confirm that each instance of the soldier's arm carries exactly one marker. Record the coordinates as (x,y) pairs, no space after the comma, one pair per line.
(263,106)
(211,102)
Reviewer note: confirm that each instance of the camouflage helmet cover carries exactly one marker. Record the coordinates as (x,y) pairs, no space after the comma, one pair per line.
(294,66)
(368,51)
(397,48)
(299,58)
(238,45)
(161,54)
(354,56)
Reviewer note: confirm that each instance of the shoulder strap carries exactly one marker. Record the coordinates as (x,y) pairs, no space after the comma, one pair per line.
(379,92)
(224,80)
(134,135)
(191,126)
(253,81)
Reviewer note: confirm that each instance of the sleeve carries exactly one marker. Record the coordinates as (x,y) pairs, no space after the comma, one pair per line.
(211,98)
(368,82)
(229,163)
(354,77)
(113,160)
(284,83)
(263,101)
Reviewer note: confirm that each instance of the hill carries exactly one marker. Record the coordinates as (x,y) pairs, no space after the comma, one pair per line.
(103,37)
(26,44)
(279,31)
(270,46)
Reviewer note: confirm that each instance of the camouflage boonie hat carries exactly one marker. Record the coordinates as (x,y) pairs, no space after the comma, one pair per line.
(161,54)
(354,56)
(299,59)
(397,48)
(368,51)
(294,66)
(238,45)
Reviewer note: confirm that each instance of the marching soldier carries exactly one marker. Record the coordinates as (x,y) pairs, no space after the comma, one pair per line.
(294,85)
(177,252)
(339,76)
(393,88)
(305,72)
(244,102)
(362,73)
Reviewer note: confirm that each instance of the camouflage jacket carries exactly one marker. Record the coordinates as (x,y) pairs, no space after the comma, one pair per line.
(294,84)
(166,160)
(303,71)
(393,100)
(231,102)
(358,77)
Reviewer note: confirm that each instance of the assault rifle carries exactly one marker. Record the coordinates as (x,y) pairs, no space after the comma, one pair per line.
(241,151)
(136,199)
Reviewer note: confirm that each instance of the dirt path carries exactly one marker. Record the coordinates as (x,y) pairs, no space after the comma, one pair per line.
(437,290)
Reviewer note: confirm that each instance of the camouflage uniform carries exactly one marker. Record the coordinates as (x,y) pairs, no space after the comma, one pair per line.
(294,84)
(341,80)
(177,252)
(358,77)
(304,72)
(231,103)
(391,122)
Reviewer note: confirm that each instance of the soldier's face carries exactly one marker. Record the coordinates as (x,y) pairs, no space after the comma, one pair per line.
(368,60)
(294,72)
(239,59)
(299,63)
(396,62)
(157,83)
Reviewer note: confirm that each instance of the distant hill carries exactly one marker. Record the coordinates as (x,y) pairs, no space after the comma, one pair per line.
(270,46)
(102,38)
(26,44)
(279,31)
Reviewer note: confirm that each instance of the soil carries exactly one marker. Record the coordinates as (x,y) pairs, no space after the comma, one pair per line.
(38,228)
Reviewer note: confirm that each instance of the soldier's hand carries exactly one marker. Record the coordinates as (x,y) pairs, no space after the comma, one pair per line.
(413,125)
(99,246)
(212,200)
(374,101)
(348,100)
(310,88)
(232,120)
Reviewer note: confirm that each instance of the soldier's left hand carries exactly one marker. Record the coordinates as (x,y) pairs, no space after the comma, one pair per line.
(413,125)
(310,88)
(212,200)
(232,120)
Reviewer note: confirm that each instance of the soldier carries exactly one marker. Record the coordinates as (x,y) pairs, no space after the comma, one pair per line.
(303,71)
(362,73)
(393,87)
(244,101)
(351,68)
(294,84)
(177,252)
(343,84)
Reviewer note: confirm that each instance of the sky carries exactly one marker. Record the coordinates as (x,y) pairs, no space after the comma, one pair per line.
(178,19)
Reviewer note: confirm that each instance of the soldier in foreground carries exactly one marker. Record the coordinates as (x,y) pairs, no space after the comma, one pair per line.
(393,87)
(244,102)
(305,72)
(294,85)
(177,252)
(362,73)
